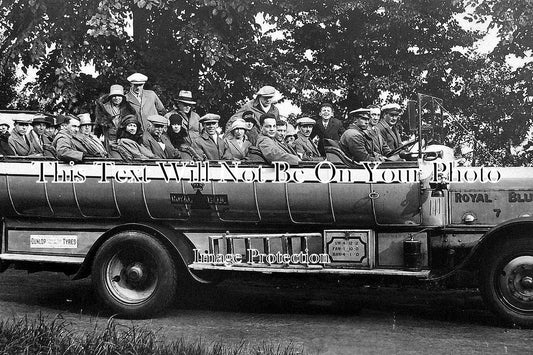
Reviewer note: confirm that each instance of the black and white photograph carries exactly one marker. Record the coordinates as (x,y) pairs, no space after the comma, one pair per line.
(267,177)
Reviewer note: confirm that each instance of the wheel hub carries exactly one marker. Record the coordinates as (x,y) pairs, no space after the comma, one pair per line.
(516,281)
(135,273)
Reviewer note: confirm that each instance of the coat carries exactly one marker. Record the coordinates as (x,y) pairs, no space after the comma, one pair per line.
(273,151)
(65,148)
(153,145)
(389,134)
(306,149)
(42,144)
(358,145)
(380,146)
(205,145)
(238,151)
(333,131)
(89,145)
(108,121)
(130,150)
(148,105)
(5,149)
(21,145)
(254,106)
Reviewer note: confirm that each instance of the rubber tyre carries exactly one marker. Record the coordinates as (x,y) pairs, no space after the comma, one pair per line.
(506,281)
(135,275)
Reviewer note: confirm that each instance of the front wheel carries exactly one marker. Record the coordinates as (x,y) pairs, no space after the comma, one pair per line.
(506,281)
(135,274)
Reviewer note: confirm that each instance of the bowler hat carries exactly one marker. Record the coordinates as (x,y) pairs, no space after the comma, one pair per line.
(210,117)
(186,97)
(137,78)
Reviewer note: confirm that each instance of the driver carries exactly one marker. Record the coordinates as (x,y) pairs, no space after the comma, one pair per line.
(356,142)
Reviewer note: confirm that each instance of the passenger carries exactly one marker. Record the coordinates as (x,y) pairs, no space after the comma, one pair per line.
(327,127)
(39,139)
(238,144)
(110,111)
(355,141)
(146,103)
(50,130)
(190,120)
(269,146)
(85,141)
(130,138)
(5,149)
(64,141)
(260,105)
(281,133)
(305,147)
(380,146)
(158,142)
(18,141)
(388,125)
(290,137)
(209,144)
(180,139)
(252,126)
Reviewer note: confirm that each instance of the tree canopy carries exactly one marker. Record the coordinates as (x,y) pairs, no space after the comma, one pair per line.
(350,52)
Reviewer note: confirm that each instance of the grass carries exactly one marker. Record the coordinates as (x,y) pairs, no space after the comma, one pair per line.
(41,336)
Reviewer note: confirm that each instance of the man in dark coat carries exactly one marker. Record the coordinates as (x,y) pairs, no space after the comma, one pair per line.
(157,141)
(39,139)
(327,127)
(18,141)
(356,142)
(5,149)
(388,125)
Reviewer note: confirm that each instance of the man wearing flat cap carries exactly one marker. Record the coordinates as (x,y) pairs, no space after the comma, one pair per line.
(390,113)
(18,141)
(271,149)
(306,149)
(356,142)
(38,137)
(157,141)
(145,102)
(110,110)
(209,144)
(327,127)
(259,106)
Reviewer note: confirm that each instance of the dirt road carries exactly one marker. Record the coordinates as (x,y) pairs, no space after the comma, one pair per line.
(323,318)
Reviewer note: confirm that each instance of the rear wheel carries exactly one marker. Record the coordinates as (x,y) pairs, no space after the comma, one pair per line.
(135,275)
(507,281)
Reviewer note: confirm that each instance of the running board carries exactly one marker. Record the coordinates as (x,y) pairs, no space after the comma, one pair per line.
(42,258)
(311,269)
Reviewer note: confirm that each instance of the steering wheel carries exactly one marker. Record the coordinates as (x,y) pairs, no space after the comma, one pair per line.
(402,147)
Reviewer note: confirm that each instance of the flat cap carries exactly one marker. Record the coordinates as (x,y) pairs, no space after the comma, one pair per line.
(85,119)
(305,121)
(40,119)
(238,123)
(365,112)
(267,91)
(209,117)
(158,119)
(137,78)
(22,119)
(391,107)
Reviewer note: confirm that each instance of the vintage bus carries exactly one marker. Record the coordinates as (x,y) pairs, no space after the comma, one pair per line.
(142,230)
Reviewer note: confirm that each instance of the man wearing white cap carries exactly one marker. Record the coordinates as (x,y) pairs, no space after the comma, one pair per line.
(110,110)
(209,143)
(85,142)
(259,106)
(145,102)
(238,144)
(157,141)
(388,125)
(356,142)
(18,141)
(305,148)
(5,149)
